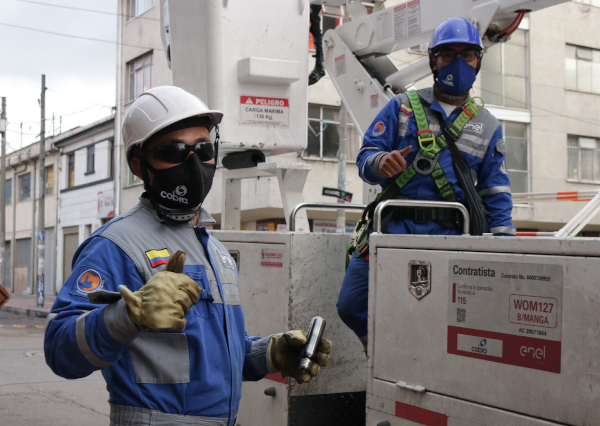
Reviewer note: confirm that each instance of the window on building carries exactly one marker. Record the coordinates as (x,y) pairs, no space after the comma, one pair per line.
(583,159)
(8,199)
(582,69)
(504,73)
(25,187)
(90,159)
(71,170)
(49,180)
(324,135)
(140,75)
(517,155)
(137,7)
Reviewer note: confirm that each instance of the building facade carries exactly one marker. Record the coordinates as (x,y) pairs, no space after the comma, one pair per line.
(86,187)
(543,85)
(22,210)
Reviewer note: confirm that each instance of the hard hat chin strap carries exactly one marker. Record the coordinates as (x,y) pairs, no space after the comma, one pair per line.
(449,96)
(216,145)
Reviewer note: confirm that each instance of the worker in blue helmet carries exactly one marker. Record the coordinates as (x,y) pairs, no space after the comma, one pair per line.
(405,151)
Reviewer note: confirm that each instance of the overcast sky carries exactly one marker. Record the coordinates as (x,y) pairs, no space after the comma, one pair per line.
(80,73)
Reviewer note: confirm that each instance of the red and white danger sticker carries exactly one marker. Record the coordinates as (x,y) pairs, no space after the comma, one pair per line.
(259,111)
(506,312)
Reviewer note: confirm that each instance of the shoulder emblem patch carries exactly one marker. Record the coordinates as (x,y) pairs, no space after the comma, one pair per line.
(90,281)
(405,109)
(227,260)
(158,257)
(379,128)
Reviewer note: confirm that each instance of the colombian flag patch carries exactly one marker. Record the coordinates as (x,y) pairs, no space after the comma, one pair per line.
(406,110)
(158,257)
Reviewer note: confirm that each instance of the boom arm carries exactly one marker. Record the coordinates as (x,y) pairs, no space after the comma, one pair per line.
(356,52)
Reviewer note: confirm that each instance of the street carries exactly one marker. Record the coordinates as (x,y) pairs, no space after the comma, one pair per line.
(31,394)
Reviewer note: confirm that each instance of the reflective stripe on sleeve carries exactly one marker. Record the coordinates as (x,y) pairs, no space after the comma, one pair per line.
(365,164)
(116,320)
(83,344)
(494,190)
(503,230)
(373,161)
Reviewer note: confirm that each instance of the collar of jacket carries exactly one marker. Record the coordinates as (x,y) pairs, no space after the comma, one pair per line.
(205,217)
(428,98)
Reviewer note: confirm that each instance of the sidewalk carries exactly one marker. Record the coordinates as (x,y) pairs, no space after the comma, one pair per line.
(25,304)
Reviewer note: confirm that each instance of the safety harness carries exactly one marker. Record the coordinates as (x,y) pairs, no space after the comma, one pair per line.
(425,163)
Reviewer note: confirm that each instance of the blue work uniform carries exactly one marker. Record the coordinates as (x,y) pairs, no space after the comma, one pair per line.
(482,146)
(159,378)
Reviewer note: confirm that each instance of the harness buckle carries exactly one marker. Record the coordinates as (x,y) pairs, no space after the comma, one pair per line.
(446,191)
(470,114)
(426,140)
(424,165)
(420,218)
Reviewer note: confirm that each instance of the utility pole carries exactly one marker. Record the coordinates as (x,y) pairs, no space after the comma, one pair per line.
(42,187)
(341,213)
(3,191)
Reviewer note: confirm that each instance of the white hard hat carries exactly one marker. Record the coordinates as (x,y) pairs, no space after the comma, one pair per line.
(158,108)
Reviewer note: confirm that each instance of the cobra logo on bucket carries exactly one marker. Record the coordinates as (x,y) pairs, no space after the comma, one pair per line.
(177,195)
(480,348)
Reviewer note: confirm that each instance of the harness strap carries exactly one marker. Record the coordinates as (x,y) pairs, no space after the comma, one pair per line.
(430,146)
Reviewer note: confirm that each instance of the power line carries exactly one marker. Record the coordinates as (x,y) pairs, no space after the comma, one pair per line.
(79,99)
(78,37)
(86,10)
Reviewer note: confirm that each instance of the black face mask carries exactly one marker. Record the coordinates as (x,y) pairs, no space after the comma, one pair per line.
(184,186)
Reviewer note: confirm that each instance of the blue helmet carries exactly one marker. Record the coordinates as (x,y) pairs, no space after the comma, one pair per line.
(455,30)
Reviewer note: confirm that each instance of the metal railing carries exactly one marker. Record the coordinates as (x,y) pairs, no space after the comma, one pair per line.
(526,197)
(577,222)
(418,203)
(328,206)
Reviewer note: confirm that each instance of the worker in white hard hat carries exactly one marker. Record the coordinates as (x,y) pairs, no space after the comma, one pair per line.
(153,301)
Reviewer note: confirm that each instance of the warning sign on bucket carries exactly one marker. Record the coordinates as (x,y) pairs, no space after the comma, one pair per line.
(506,312)
(259,111)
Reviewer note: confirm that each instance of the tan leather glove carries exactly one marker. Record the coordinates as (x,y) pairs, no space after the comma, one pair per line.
(163,301)
(284,355)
